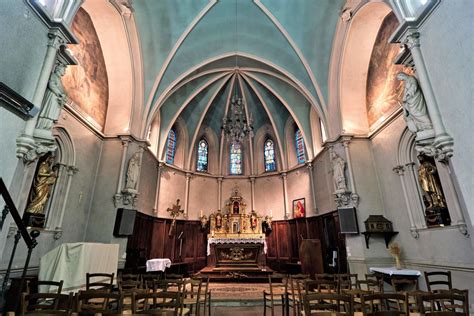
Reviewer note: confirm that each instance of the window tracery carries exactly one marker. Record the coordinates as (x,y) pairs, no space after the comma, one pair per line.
(269,155)
(235,158)
(203,154)
(299,146)
(171,147)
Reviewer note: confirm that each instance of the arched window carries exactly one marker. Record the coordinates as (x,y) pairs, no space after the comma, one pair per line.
(171,147)
(235,158)
(324,136)
(203,153)
(269,155)
(299,146)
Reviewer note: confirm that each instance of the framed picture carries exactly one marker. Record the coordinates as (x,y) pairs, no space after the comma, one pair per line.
(299,208)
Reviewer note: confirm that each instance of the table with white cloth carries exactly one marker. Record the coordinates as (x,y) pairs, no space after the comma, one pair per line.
(390,273)
(71,261)
(158,264)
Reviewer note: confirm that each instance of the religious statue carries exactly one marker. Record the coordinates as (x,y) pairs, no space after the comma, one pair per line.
(218,220)
(414,105)
(133,172)
(429,182)
(253,220)
(54,99)
(338,166)
(45,178)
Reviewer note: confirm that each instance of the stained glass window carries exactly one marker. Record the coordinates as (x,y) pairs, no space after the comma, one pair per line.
(269,155)
(235,158)
(170,147)
(202,155)
(299,146)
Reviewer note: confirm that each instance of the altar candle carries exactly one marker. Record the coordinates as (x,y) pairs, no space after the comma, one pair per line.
(201,213)
(271,213)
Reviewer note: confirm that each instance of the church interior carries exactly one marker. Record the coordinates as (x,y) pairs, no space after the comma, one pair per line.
(201,157)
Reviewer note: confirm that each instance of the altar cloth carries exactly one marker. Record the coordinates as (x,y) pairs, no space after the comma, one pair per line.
(236,241)
(159,264)
(394,271)
(71,261)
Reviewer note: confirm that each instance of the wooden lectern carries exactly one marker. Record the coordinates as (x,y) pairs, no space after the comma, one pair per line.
(311,257)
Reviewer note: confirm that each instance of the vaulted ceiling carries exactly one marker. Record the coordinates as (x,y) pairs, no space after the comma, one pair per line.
(196,53)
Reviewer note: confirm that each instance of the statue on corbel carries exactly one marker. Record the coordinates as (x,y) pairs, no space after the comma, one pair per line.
(129,195)
(343,196)
(418,120)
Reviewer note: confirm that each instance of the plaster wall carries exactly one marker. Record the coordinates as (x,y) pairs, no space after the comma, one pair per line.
(299,187)
(269,197)
(244,186)
(203,195)
(147,186)
(323,183)
(172,187)
(446,45)
(436,248)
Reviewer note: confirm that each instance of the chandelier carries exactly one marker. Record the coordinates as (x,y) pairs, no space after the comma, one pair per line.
(235,124)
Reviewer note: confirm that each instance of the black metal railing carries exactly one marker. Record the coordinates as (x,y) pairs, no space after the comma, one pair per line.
(22,232)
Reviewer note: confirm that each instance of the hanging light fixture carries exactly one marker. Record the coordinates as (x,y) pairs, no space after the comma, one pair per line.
(235,125)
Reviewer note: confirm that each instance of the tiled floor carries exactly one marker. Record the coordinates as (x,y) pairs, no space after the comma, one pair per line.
(243,311)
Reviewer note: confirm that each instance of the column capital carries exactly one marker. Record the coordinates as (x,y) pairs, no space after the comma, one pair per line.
(189,175)
(252,178)
(411,40)
(346,140)
(220,179)
(400,170)
(56,39)
(283,175)
(309,165)
(71,170)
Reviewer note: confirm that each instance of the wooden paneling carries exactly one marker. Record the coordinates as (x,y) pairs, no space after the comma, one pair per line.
(151,237)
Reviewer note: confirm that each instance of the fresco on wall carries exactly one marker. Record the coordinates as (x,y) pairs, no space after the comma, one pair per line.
(383,89)
(86,84)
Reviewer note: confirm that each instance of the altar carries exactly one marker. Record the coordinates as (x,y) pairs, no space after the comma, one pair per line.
(236,243)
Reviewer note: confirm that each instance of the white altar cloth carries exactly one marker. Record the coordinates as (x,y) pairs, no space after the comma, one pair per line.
(71,261)
(394,271)
(236,241)
(159,264)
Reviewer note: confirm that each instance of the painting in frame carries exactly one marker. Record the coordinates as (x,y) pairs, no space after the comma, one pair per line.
(299,208)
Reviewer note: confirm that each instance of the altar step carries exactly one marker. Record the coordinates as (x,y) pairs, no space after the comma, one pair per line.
(237,273)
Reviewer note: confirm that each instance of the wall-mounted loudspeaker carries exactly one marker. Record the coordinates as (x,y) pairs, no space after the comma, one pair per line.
(348,220)
(124,222)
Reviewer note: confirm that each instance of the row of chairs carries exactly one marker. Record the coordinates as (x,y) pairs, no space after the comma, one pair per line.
(444,303)
(137,293)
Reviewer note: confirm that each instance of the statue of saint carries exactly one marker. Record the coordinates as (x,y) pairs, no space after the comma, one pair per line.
(430,184)
(54,99)
(338,166)
(253,220)
(414,105)
(45,178)
(133,172)
(218,220)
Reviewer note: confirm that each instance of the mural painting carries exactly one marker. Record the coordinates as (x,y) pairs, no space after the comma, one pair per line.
(383,89)
(86,84)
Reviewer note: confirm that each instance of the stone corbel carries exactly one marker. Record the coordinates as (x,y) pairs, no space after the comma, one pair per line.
(28,150)
(58,234)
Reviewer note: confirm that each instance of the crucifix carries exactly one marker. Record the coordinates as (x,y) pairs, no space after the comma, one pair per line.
(174,212)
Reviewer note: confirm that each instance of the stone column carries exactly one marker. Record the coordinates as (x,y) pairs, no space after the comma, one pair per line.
(252,193)
(354,195)
(25,142)
(160,167)
(309,166)
(442,142)
(219,194)
(283,176)
(186,195)
(400,170)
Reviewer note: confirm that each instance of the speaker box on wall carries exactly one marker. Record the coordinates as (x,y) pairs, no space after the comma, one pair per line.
(124,222)
(348,220)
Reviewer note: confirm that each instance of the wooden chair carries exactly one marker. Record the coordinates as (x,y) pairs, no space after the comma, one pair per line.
(127,285)
(404,284)
(157,303)
(325,276)
(99,281)
(347,281)
(385,304)
(168,285)
(192,295)
(444,303)
(370,285)
(45,304)
(149,279)
(293,295)
(44,286)
(174,276)
(276,289)
(91,302)
(328,304)
(438,280)
(206,300)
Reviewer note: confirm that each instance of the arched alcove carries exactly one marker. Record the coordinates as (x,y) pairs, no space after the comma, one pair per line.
(357,52)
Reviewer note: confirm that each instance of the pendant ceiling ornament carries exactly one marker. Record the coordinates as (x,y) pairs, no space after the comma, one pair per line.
(235,125)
